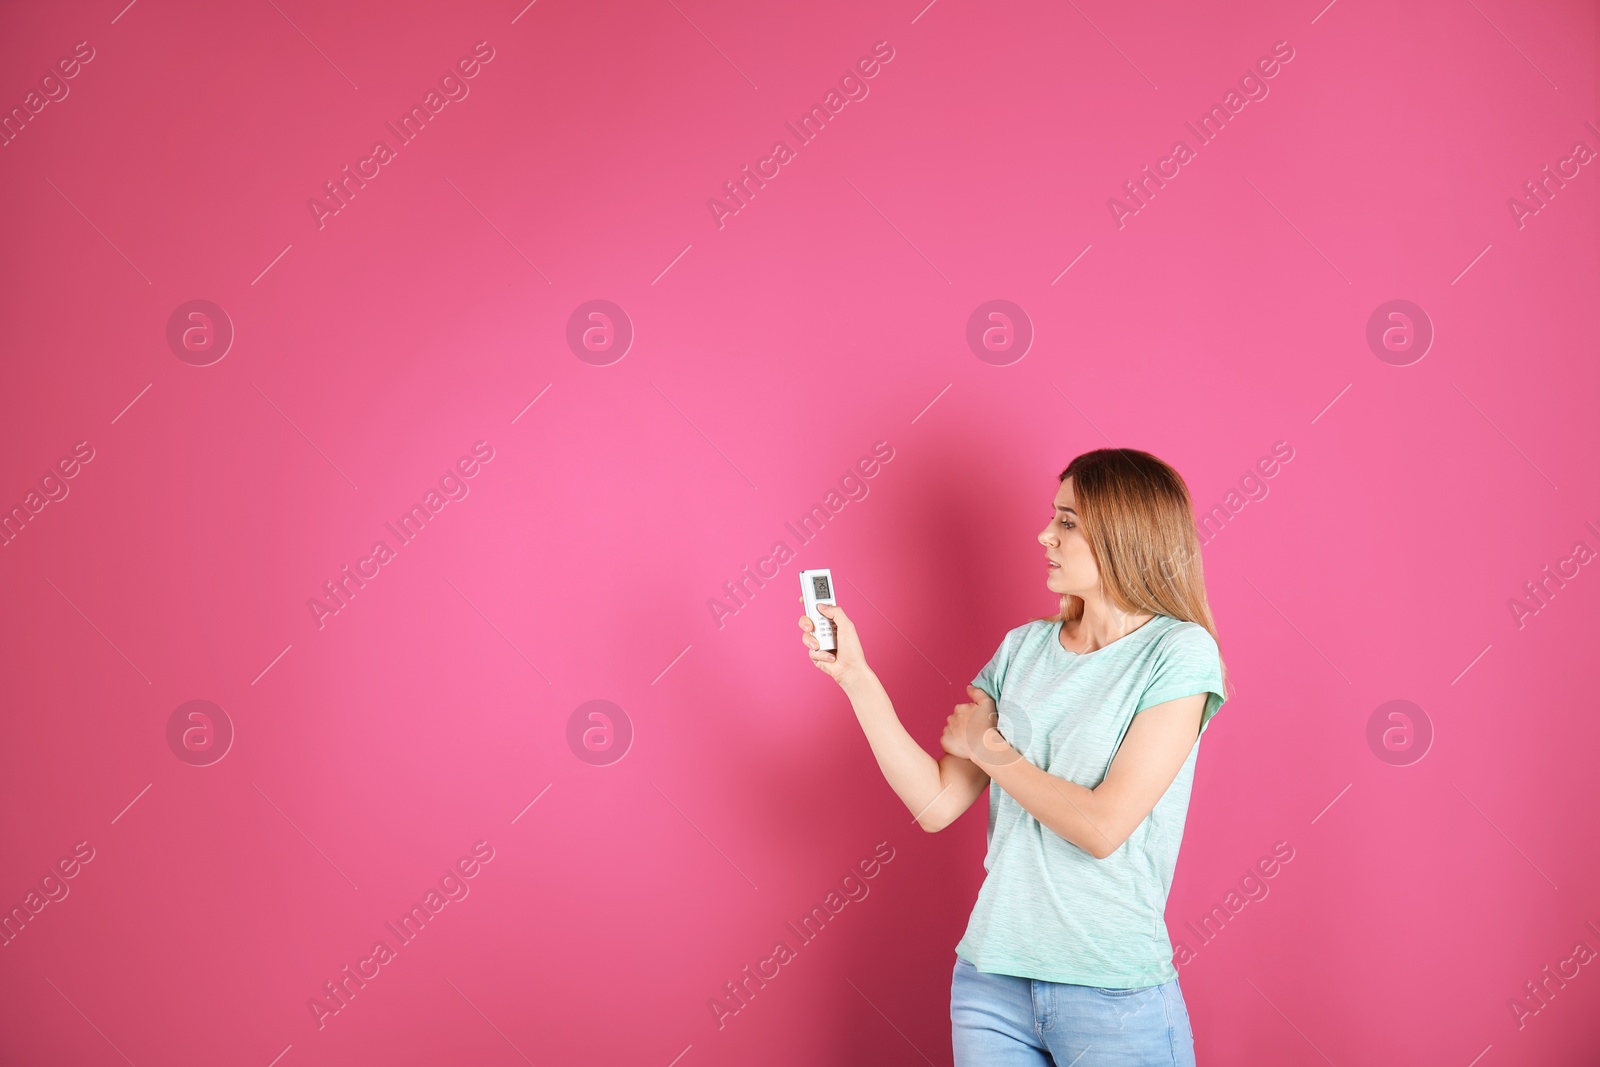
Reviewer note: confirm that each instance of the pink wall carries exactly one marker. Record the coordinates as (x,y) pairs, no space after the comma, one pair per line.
(374,348)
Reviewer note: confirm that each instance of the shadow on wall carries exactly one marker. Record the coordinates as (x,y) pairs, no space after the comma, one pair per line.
(957,536)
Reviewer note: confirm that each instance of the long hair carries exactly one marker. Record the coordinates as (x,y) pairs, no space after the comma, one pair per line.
(1136,514)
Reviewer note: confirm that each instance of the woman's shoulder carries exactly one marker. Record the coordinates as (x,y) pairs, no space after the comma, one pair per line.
(1029,633)
(1184,636)
(1033,629)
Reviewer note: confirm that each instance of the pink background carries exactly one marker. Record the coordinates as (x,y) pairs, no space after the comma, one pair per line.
(770,355)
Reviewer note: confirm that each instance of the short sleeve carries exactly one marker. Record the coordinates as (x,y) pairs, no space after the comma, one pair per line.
(992,674)
(1187,662)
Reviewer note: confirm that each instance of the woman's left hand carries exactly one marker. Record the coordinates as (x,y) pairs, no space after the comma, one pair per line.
(965,729)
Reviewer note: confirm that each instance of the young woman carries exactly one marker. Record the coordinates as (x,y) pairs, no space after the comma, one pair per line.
(1084,727)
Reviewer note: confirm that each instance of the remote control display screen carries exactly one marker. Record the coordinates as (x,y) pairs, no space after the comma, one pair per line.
(819,587)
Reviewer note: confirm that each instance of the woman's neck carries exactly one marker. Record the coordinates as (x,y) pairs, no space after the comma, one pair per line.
(1099,625)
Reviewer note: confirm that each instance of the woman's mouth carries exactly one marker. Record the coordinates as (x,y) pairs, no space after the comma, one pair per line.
(1052,564)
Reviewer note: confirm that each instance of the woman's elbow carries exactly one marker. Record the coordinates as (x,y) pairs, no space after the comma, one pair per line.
(939,816)
(1103,848)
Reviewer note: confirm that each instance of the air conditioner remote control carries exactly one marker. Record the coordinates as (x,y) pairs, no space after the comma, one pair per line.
(817,588)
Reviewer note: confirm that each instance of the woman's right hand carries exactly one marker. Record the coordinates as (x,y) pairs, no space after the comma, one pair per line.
(849,660)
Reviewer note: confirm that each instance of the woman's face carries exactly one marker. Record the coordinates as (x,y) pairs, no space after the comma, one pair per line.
(1074,570)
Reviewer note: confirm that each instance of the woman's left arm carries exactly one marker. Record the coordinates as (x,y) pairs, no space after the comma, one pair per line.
(1097,820)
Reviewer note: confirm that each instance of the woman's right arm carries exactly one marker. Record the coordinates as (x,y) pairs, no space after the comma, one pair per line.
(935,792)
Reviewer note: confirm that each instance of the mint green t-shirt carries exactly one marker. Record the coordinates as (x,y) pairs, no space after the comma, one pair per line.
(1048,909)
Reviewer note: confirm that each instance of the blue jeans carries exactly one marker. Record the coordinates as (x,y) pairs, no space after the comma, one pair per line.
(998,1020)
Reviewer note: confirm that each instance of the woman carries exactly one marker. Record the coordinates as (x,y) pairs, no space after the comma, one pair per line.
(1084,726)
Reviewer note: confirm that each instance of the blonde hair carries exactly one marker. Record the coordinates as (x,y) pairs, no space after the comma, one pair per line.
(1136,514)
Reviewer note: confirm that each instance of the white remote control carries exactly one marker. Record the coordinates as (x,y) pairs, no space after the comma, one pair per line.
(817,587)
